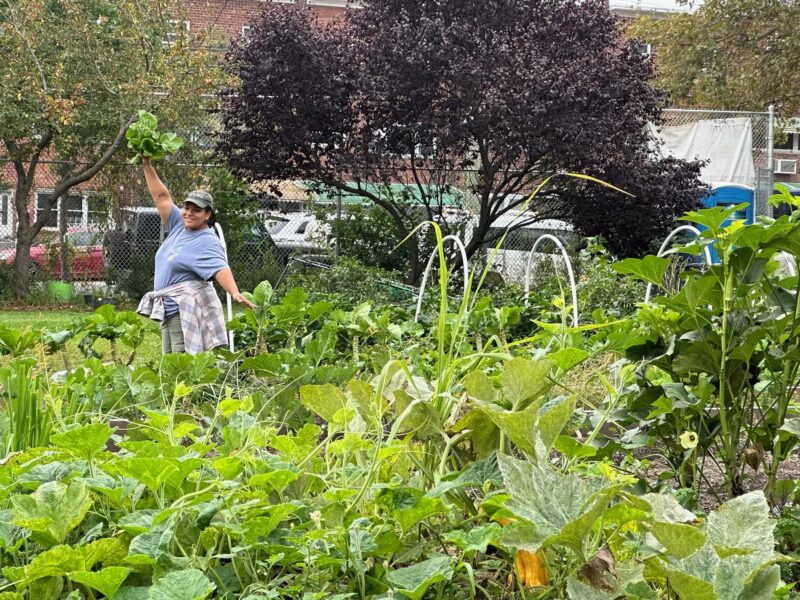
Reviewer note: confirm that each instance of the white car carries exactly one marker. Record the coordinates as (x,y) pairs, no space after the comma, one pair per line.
(511,258)
(298,232)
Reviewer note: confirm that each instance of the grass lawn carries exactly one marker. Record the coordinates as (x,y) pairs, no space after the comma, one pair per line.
(56,319)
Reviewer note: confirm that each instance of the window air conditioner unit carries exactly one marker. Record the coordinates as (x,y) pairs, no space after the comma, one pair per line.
(786,167)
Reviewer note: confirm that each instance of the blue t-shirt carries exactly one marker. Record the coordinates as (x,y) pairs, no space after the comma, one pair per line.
(186,256)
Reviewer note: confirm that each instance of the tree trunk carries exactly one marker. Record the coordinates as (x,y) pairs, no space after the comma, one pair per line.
(64,258)
(21,280)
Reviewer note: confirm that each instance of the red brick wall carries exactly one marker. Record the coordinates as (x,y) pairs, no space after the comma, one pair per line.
(229,16)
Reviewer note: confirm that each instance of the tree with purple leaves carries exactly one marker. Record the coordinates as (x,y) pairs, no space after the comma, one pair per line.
(426,91)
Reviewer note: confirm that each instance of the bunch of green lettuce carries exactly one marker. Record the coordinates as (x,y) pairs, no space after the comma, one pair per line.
(145,140)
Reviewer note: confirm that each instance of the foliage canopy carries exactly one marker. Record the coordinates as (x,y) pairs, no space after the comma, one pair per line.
(490,97)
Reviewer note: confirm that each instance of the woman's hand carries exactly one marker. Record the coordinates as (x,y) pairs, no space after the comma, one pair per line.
(240,299)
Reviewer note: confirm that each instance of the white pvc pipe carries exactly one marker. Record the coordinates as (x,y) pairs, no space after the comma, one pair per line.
(465,265)
(228,299)
(570,273)
(662,251)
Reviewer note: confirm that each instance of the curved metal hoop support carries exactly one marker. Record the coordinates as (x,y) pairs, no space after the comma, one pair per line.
(663,251)
(570,272)
(465,264)
(228,301)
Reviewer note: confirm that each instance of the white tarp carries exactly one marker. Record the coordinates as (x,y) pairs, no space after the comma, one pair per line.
(725,144)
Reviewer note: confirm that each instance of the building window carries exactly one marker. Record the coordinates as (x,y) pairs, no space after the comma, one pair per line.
(42,199)
(82,210)
(98,211)
(247,31)
(5,207)
(787,141)
(177,30)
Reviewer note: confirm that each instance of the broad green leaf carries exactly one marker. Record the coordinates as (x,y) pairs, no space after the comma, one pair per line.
(552,422)
(650,269)
(690,587)
(479,386)
(572,448)
(476,539)
(518,426)
(258,528)
(485,435)
(524,380)
(409,506)
(561,507)
(714,217)
(475,474)
(153,546)
(325,400)
(11,536)
(85,441)
(742,524)
(152,472)
(415,580)
(53,510)
(107,581)
(11,596)
(679,539)
(566,358)
(277,480)
(422,420)
(189,584)
(762,586)
(577,590)
(132,593)
(262,295)
(61,560)
(48,588)
(136,522)
(667,508)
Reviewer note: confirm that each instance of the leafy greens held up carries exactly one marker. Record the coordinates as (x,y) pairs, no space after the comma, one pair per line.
(145,140)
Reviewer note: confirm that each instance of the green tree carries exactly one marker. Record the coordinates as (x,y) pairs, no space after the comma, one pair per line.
(74,73)
(729,54)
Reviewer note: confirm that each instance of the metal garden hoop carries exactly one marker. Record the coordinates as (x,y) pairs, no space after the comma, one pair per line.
(228,300)
(464,262)
(663,251)
(570,273)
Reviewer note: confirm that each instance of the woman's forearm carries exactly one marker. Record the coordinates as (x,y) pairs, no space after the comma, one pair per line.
(160,193)
(226,281)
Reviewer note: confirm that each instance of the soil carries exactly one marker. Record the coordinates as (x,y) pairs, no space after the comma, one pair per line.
(712,480)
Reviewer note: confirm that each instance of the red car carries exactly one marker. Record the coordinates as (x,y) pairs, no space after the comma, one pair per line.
(87,256)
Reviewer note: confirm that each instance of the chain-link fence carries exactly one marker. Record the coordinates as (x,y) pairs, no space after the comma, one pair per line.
(738,146)
(106,230)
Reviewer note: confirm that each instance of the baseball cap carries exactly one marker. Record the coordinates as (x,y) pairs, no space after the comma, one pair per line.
(200,198)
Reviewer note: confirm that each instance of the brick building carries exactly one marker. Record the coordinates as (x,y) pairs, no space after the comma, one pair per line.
(232,18)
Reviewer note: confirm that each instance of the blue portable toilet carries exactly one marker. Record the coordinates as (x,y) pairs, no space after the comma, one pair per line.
(731,194)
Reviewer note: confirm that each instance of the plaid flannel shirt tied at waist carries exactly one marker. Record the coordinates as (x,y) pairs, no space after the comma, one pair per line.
(200,312)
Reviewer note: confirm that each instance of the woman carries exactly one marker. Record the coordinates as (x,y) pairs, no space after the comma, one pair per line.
(191,256)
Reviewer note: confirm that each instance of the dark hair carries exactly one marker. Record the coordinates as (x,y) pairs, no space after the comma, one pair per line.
(213,219)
